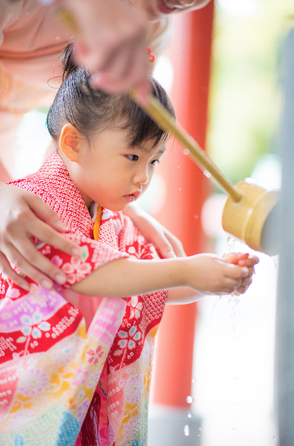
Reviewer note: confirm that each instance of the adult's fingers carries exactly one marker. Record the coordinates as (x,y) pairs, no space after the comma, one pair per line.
(176,245)
(124,72)
(111,43)
(168,245)
(42,274)
(16,278)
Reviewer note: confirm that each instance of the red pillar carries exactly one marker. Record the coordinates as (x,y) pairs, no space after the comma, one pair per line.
(187,188)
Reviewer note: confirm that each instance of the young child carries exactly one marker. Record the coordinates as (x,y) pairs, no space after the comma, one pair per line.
(60,383)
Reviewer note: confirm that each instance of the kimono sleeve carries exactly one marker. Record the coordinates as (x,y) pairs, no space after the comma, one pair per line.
(93,255)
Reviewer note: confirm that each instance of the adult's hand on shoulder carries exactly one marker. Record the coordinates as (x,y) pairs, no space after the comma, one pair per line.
(23,215)
(168,245)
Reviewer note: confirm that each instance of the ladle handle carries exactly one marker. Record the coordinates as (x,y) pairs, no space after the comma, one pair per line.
(164,120)
(159,114)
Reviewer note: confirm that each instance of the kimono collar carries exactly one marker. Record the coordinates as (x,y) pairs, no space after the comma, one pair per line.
(62,195)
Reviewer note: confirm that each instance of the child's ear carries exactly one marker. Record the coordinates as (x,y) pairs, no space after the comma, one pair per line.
(69,140)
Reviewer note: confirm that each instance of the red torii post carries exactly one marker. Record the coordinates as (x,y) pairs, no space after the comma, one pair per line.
(186,191)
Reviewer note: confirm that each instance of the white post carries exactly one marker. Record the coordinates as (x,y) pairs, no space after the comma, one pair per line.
(285,299)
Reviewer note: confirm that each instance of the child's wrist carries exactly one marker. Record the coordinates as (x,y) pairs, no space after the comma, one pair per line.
(182,271)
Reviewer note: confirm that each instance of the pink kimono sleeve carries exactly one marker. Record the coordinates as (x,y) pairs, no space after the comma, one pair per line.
(93,255)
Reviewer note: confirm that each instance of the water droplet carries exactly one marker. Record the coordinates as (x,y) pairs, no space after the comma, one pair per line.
(189,399)
(199,428)
(180,188)
(234,429)
(193,380)
(274,438)
(186,430)
(186,152)
(207,174)
(195,216)
(189,415)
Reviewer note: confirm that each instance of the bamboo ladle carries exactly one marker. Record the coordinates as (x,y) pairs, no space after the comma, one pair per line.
(249,212)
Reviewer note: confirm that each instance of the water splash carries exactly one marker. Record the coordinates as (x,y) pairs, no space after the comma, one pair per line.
(231,241)
(234,300)
(274,259)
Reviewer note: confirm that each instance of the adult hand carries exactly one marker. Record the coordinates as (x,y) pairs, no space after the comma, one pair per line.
(112,43)
(168,245)
(23,215)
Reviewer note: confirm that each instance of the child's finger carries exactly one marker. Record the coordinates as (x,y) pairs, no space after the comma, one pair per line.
(251,270)
(235,271)
(232,283)
(235,257)
(250,261)
(245,283)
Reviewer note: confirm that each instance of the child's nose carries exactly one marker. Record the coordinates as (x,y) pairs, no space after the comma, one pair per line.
(141,176)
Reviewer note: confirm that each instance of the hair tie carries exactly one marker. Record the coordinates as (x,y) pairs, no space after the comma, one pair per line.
(151,56)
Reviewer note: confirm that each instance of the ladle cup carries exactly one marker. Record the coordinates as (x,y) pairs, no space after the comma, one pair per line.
(250,210)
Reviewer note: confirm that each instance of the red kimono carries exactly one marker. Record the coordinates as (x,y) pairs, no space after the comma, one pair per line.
(60,383)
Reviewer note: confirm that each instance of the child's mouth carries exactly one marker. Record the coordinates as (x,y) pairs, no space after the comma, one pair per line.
(132,197)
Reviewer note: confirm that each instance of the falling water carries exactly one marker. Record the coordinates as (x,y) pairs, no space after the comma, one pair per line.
(189,399)
(186,430)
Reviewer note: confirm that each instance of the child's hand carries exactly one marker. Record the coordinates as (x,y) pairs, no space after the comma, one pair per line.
(243,259)
(212,275)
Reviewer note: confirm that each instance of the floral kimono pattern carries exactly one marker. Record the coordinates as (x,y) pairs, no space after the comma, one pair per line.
(76,369)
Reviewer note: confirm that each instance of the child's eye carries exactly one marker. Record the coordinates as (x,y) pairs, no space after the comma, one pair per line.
(132,157)
(154,162)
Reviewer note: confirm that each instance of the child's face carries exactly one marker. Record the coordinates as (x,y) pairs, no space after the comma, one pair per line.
(112,173)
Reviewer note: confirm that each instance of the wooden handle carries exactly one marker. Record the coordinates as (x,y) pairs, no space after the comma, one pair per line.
(164,120)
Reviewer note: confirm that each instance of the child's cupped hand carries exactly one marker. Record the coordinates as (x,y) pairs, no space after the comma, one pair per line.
(213,275)
(244,260)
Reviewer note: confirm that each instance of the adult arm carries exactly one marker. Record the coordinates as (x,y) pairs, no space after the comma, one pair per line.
(23,215)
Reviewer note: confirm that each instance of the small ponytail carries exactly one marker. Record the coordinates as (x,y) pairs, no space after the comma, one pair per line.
(67,60)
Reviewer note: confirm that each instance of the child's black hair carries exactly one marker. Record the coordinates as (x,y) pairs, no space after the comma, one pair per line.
(91,110)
